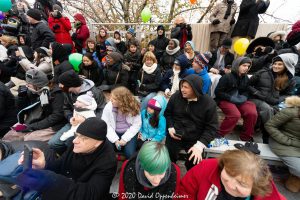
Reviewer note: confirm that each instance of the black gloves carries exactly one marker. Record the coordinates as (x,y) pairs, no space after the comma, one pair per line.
(22,91)
(232,21)
(56,26)
(249,146)
(215,22)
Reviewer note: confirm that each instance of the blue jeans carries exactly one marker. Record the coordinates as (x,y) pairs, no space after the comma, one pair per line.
(55,142)
(130,148)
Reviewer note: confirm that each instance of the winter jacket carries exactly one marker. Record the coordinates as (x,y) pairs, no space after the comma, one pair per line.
(8,111)
(70,99)
(149,82)
(196,120)
(232,85)
(261,86)
(218,13)
(205,77)
(41,35)
(182,34)
(8,68)
(92,72)
(248,19)
(121,47)
(160,43)
(82,33)
(167,60)
(61,27)
(194,185)
(284,132)
(115,76)
(259,62)
(77,176)
(129,184)
(110,118)
(51,115)
(45,65)
(133,60)
(228,59)
(150,133)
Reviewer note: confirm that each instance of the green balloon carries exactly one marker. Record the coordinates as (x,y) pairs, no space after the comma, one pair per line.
(75,59)
(146,14)
(5,5)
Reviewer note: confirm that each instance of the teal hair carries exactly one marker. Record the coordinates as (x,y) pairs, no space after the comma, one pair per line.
(154,158)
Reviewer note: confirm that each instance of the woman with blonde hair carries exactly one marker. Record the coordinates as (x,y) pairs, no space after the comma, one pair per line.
(123,118)
(285,139)
(149,78)
(236,174)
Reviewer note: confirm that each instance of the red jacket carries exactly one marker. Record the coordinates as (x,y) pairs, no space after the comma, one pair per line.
(122,192)
(203,180)
(62,33)
(83,32)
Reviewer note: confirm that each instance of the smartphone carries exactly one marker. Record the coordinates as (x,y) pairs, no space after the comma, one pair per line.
(28,155)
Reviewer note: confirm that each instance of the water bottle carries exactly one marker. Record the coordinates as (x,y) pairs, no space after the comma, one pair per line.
(218,142)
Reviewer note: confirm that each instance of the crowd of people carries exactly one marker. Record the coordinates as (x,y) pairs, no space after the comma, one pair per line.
(145,104)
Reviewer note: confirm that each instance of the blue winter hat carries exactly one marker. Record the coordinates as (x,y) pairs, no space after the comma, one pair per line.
(190,43)
(183,62)
(131,31)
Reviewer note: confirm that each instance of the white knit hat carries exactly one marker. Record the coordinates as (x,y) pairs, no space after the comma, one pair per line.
(88,100)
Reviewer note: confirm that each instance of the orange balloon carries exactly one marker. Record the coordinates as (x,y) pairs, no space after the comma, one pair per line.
(193,1)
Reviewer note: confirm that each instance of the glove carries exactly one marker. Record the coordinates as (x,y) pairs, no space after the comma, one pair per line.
(19,127)
(215,22)
(188,27)
(37,180)
(232,21)
(249,146)
(26,130)
(22,91)
(56,26)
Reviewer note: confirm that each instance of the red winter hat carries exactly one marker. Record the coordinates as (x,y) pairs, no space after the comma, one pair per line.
(293,37)
(152,103)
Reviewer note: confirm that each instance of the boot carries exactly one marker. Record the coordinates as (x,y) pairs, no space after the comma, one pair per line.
(293,183)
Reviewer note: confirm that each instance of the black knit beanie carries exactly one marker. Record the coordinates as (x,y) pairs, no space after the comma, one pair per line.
(93,128)
(35,14)
(70,79)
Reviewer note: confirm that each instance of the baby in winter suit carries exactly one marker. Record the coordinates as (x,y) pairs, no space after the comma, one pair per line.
(84,108)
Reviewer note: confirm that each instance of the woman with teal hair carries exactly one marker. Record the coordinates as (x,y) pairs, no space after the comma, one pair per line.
(150,174)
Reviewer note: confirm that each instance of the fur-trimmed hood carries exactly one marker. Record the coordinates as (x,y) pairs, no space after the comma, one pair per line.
(292,101)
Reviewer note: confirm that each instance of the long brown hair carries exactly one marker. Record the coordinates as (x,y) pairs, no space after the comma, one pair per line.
(247,164)
(281,81)
(127,103)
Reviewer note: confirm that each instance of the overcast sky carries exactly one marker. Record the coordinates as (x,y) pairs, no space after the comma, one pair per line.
(285,9)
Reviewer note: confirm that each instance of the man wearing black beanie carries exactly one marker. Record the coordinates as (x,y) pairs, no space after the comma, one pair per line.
(41,34)
(84,171)
(74,86)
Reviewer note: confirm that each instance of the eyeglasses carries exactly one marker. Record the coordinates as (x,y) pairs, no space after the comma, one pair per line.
(81,137)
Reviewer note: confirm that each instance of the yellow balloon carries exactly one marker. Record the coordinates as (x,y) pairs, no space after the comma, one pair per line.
(241,45)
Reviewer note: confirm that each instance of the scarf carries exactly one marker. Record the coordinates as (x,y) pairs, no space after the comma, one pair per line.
(142,178)
(149,70)
(228,11)
(175,84)
(172,51)
(219,64)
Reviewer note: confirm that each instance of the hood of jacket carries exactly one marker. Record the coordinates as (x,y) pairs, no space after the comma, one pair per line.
(162,102)
(80,18)
(292,101)
(196,83)
(86,85)
(290,61)
(237,62)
